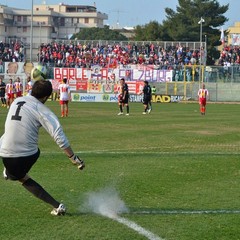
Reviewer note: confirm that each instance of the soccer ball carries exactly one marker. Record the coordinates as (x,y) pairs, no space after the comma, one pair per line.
(39,73)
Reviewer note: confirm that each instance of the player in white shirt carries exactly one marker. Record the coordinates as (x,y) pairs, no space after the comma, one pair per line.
(29,86)
(64,96)
(25,116)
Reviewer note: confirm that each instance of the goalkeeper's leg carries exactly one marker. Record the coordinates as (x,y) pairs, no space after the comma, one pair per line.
(38,191)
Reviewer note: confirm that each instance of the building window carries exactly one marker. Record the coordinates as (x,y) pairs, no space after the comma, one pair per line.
(75,20)
(61,22)
(86,20)
(24,19)
(19,18)
(25,29)
(19,29)
(68,21)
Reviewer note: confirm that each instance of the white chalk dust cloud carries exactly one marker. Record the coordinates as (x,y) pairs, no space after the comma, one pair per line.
(105,202)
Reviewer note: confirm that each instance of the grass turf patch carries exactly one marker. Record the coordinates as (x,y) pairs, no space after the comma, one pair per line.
(176,171)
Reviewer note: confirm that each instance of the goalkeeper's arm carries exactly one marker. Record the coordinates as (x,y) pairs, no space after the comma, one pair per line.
(74,158)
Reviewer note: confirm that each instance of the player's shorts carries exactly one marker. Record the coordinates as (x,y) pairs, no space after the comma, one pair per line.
(62,102)
(19,94)
(17,168)
(10,95)
(120,98)
(125,100)
(146,100)
(202,101)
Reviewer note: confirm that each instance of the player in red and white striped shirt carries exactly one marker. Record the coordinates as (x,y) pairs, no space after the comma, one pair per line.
(10,89)
(202,95)
(18,87)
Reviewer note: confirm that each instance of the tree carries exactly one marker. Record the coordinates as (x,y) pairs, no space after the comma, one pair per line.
(182,24)
(99,34)
(149,32)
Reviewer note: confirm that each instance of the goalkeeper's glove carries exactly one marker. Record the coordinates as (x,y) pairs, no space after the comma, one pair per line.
(77,161)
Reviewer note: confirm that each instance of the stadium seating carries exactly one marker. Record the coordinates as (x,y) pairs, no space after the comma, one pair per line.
(110,55)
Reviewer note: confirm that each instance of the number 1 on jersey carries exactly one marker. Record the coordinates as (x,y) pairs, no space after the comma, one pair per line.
(17,117)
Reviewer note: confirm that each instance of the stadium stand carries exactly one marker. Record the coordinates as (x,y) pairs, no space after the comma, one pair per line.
(110,55)
(230,54)
(11,52)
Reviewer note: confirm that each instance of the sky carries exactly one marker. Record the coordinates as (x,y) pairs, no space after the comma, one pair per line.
(129,13)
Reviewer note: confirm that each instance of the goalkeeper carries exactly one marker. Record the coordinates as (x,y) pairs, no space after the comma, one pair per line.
(19,153)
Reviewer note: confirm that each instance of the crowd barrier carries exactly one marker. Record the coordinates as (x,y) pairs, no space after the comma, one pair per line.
(180,83)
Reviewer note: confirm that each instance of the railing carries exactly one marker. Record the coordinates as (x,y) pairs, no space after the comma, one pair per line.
(162,44)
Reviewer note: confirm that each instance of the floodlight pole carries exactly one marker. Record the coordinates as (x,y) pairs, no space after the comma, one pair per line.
(201,22)
(31,34)
(205,52)
(200,55)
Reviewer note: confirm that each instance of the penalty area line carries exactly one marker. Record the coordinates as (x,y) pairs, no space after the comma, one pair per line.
(140,230)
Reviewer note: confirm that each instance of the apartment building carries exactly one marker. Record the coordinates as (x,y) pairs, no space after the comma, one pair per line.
(47,22)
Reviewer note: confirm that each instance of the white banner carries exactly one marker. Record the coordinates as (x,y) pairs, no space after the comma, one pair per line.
(18,69)
(85,97)
(235,39)
(90,97)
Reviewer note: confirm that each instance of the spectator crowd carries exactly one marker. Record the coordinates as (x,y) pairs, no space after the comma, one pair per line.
(12,52)
(229,55)
(77,54)
(112,55)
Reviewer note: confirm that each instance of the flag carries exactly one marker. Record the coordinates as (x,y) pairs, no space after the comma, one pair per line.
(222,38)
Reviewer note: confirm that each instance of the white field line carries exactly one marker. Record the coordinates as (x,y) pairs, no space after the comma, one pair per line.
(142,152)
(151,236)
(188,212)
(140,230)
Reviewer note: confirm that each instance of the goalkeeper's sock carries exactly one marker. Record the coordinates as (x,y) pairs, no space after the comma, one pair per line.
(37,190)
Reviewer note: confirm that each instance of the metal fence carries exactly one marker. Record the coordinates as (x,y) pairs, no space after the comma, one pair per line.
(208,74)
(163,44)
(222,82)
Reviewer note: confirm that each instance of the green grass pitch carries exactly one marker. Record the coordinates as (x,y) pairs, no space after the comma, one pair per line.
(177,172)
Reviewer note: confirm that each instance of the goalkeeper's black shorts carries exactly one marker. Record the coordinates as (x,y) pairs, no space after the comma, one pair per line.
(17,168)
